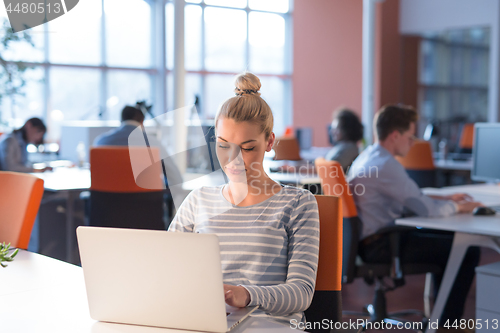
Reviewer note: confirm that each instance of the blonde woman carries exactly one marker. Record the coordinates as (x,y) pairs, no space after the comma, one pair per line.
(269,233)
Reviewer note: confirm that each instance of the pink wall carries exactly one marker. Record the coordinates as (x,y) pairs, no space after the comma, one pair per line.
(327,54)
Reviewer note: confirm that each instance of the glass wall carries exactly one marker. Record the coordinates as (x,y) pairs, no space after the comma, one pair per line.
(453,77)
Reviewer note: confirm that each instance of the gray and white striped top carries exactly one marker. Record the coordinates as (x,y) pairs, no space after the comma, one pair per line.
(270,248)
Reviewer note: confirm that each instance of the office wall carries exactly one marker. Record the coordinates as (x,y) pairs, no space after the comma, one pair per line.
(327,54)
(409,69)
(397,56)
(328,60)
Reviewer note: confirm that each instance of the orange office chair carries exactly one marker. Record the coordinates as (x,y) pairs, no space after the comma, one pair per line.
(466,139)
(19,202)
(327,300)
(419,164)
(115,198)
(287,148)
(334,183)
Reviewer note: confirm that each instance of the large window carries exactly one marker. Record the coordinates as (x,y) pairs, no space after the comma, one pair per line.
(225,37)
(104,54)
(86,66)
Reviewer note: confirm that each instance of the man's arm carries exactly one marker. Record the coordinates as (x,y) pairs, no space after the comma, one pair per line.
(465,203)
(396,184)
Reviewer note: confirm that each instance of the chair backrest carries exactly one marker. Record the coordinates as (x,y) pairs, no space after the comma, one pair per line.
(121,198)
(333,182)
(419,157)
(287,148)
(327,300)
(20,199)
(467,137)
(111,170)
(419,164)
(329,276)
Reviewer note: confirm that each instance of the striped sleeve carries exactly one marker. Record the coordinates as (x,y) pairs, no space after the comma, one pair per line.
(295,295)
(183,220)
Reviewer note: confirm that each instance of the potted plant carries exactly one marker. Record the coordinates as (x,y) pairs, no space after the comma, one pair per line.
(4,254)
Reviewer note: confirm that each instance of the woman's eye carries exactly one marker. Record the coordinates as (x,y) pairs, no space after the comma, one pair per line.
(248,149)
(223,147)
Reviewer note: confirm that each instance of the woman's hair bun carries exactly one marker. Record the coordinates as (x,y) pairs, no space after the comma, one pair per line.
(247,84)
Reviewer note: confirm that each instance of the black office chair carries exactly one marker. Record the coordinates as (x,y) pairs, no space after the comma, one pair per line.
(352,265)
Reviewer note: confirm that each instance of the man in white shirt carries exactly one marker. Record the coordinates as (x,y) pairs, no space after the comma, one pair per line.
(384,192)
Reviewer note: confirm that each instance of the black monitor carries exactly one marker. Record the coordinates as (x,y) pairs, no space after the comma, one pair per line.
(486,152)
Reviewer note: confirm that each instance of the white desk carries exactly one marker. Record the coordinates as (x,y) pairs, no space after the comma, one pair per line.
(69,182)
(40,294)
(302,172)
(295,178)
(453,165)
(469,231)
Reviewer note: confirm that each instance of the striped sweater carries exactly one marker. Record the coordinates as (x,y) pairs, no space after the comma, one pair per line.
(271,248)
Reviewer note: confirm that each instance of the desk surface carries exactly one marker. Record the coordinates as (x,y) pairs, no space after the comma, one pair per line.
(469,230)
(64,179)
(453,165)
(41,294)
(468,223)
(67,179)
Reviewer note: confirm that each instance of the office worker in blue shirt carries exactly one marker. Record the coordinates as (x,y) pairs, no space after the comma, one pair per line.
(382,192)
(13,153)
(131,118)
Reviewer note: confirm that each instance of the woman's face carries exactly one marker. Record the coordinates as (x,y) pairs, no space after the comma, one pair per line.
(34,135)
(334,131)
(240,149)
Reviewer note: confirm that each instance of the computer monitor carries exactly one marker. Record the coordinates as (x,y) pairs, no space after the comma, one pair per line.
(486,152)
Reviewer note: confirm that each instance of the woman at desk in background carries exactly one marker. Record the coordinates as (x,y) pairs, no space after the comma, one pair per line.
(269,233)
(346,132)
(13,153)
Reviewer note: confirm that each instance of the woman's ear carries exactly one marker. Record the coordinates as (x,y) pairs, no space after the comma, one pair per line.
(270,142)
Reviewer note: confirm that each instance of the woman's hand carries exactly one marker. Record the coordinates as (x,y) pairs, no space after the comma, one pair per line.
(236,296)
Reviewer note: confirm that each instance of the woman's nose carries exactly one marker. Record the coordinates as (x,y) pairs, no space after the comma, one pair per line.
(238,159)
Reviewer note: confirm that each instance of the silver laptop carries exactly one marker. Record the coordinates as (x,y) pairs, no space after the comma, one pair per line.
(156,278)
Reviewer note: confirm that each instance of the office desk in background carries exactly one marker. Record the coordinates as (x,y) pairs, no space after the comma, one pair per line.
(68,183)
(452,165)
(469,231)
(449,168)
(44,295)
